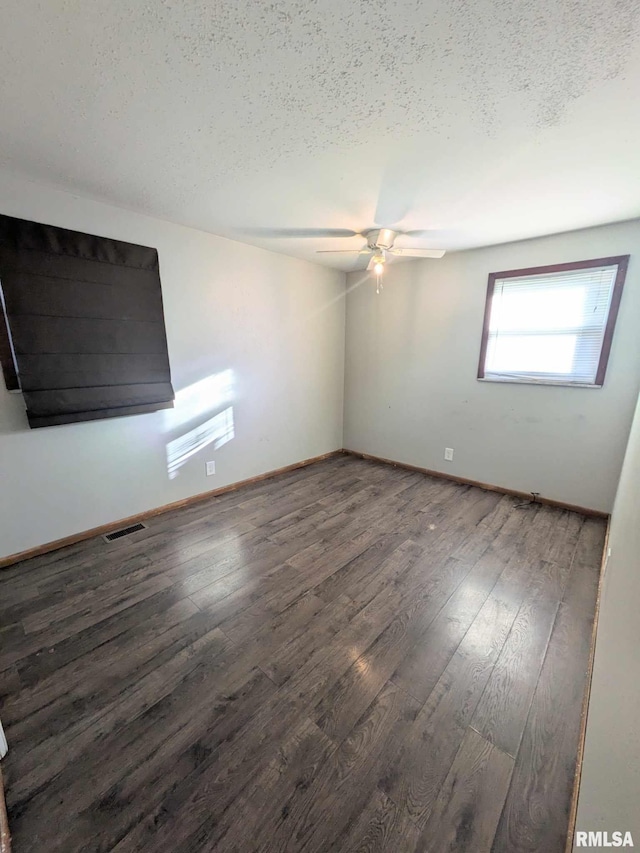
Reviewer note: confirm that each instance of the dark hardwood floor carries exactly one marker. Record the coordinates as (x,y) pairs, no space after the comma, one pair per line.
(348,657)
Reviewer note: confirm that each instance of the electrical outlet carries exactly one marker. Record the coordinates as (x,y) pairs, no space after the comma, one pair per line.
(448,454)
(211,468)
(606,560)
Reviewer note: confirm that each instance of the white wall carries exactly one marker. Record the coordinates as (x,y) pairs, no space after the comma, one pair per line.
(610,786)
(411,366)
(266,334)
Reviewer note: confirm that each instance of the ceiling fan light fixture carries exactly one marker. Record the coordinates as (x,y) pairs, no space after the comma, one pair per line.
(377,265)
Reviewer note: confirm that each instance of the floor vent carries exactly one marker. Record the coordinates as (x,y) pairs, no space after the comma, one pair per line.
(125,531)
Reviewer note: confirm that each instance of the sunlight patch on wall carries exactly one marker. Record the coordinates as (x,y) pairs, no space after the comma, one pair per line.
(192,425)
(217,431)
(201,397)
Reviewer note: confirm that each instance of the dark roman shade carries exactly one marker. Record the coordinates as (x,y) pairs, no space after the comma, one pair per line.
(83,333)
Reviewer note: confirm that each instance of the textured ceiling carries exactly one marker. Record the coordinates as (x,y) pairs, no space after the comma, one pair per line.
(485,120)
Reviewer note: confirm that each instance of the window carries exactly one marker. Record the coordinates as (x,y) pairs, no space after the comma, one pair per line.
(82,332)
(552,325)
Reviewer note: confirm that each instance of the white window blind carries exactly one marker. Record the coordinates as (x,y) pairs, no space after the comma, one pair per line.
(549,327)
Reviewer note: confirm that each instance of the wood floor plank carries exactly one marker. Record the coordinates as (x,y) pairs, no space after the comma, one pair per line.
(267,800)
(161,752)
(380,827)
(288,659)
(301,665)
(420,768)
(211,790)
(85,628)
(342,706)
(32,608)
(31,769)
(51,709)
(502,712)
(179,809)
(112,659)
(362,571)
(38,660)
(582,586)
(536,813)
(420,669)
(467,811)
(343,784)
(562,544)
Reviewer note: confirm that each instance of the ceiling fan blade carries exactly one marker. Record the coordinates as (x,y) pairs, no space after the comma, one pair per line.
(301,232)
(417,253)
(398,193)
(343,251)
(435,235)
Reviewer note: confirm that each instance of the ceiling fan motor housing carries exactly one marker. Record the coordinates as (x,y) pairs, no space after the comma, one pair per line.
(381,238)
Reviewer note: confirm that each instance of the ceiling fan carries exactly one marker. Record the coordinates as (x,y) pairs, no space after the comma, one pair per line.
(380,243)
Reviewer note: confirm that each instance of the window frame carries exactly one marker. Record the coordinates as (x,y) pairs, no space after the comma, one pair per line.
(620,261)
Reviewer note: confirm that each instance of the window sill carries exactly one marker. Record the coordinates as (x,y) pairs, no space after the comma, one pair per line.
(546,384)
